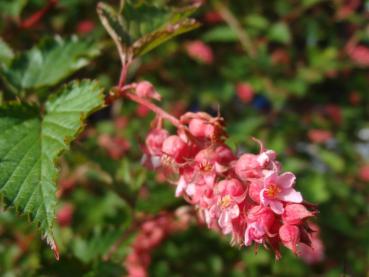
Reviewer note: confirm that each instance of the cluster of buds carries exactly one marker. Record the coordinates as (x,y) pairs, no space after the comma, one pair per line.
(245,196)
(152,233)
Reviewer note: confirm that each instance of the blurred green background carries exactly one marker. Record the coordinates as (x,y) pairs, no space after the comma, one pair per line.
(291,73)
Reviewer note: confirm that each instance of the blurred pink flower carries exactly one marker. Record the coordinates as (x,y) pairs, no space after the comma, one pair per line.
(364,173)
(64,215)
(198,50)
(85,26)
(319,136)
(244,92)
(359,54)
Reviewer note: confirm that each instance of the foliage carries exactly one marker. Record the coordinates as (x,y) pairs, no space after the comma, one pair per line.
(308,102)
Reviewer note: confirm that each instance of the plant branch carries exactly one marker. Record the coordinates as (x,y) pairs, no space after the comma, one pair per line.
(157,110)
(235,25)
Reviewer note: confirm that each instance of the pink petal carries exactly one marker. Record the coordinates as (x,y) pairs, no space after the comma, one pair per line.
(224,219)
(286,180)
(276,206)
(270,177)
(263,200)
(180,186)
(290,195)
(233,211)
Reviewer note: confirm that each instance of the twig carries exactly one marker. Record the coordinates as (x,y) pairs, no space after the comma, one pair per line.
(237,28)
(37,16)
(157,110)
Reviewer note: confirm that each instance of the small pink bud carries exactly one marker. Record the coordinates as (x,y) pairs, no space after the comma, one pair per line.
(155,140)
(145,89)
(175,147)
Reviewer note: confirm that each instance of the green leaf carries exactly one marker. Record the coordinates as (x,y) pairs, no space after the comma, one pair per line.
(6,53)
(220,34)
(30,144)
(49,63)
(280,32)
(154,39)
(12,8)
(113,23)
(143,27)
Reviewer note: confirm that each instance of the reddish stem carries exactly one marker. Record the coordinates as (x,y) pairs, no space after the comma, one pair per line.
(37,16)
(160,112)
(123,75)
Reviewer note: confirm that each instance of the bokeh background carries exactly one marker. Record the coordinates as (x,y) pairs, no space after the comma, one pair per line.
(291,73)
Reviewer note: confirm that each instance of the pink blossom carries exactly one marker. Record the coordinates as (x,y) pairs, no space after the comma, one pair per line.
(230,194)
(260,221)
(277,189)
(198,50)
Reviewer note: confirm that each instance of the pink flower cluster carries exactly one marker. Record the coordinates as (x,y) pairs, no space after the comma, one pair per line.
(247,196)
(152,233)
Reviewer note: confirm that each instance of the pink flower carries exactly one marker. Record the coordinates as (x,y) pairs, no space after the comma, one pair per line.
(244,92)
(260,221)
(198,50)
(230,194)
(277,189)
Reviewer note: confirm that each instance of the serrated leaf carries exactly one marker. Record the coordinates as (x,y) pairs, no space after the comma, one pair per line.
(143,27)
(6,53)
(30,144)
(49,63)
(142,19)
(113,23)
(154,39)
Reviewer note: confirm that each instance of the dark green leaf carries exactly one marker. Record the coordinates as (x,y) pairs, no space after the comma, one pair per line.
(30,144)
(49,63)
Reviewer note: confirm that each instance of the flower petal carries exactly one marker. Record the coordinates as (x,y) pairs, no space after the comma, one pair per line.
(276,206)
(290,195)
(286,180)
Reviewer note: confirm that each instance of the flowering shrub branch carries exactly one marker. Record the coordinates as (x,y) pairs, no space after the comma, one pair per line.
(246,196)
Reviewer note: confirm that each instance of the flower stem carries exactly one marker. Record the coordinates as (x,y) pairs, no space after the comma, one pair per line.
(157,110)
